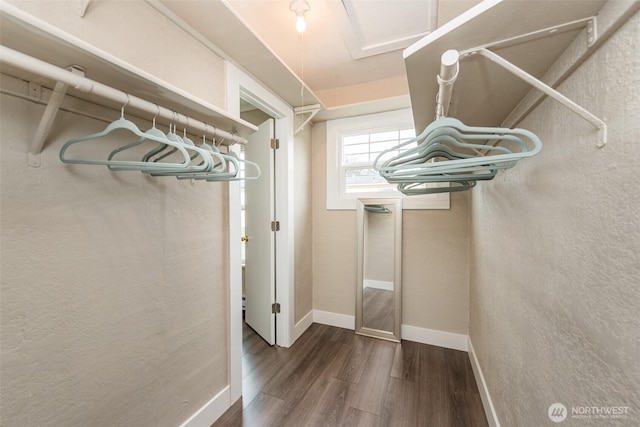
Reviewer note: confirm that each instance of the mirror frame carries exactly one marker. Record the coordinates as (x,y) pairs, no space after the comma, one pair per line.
(397,288)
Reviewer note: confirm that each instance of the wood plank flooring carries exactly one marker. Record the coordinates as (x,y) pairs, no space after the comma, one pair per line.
(332,377)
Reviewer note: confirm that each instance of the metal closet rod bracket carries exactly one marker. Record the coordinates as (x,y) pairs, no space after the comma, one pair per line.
(312,110)
(83,6)
(546,89)
(50,112)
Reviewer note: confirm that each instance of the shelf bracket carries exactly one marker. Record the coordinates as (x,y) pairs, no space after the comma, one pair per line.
(311,110)
(592,31)
(49,115)
(548,90)
(83,6)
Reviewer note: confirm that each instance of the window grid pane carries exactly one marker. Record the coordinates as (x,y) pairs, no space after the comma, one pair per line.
(359,152)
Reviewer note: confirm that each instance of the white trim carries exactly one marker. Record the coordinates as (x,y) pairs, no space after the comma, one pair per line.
(211,411)
(235,291)
(454,23)
(302,325)
(378,284)
(487,403)
(409,333)
(235,261)
(434,337)
(334,319)
(238,82)
(389,120)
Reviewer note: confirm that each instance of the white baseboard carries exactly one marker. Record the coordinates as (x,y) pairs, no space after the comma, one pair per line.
(378,284)
(487,403)
(410,333)
(211,411)
(334,319)
(434,337)
(302,325)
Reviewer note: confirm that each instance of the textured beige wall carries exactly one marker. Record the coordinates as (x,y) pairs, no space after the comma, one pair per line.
(435,279)
(113,308)
(435,274)
(449,9)
(113,285)
(555,263)
(302,216)
(334,240)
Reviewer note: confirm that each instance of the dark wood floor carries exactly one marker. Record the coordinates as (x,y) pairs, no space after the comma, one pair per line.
(332,377)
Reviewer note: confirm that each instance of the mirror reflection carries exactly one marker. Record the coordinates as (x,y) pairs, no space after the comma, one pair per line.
(379,245)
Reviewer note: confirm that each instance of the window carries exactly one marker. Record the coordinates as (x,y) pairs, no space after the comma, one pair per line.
(352,146)
(359,152)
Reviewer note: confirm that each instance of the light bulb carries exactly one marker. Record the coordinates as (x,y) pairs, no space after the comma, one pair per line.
(300,24)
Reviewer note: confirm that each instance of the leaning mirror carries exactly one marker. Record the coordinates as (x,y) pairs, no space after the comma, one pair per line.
(379,268)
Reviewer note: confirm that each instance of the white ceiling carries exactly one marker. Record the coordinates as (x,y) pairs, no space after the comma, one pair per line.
(373,27)
(321,56)
(350,54)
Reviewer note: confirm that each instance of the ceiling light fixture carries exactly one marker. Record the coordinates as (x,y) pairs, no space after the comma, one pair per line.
(300,7)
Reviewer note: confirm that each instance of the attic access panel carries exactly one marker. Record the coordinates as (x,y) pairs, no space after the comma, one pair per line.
(372,28)
(484,93)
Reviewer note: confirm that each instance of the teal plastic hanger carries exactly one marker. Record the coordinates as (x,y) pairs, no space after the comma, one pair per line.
(170,136)
(218,172)
(119,124)
(453,138)
(411,189)
(417,174)
(206,165)
(437,156)
(153,131)
(256,169)
(377,209)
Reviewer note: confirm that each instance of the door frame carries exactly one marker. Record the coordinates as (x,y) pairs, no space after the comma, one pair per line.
(239,84)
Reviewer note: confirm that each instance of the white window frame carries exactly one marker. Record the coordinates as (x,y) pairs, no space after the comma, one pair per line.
(337,197)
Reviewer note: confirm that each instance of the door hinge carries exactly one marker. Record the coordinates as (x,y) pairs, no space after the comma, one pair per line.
(275,308)
(275,225)
(275,143)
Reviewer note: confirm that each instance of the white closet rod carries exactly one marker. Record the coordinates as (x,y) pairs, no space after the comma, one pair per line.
(449,66)
(44,69)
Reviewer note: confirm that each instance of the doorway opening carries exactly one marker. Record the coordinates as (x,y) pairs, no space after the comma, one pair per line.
(259,240)
(242,86)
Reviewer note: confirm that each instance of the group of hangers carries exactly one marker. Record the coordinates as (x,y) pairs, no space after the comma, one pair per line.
(173,155)
(377,209)
(445,154)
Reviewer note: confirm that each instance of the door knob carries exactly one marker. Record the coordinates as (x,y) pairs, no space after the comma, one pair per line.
(245,238)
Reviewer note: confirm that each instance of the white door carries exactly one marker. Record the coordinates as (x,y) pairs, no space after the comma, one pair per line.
(260,283)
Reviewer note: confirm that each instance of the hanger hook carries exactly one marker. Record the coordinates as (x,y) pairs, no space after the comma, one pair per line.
(213,138)
(220,143)
(156,115)
(173,116)
(184,130)
(204,135)
(125,104)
